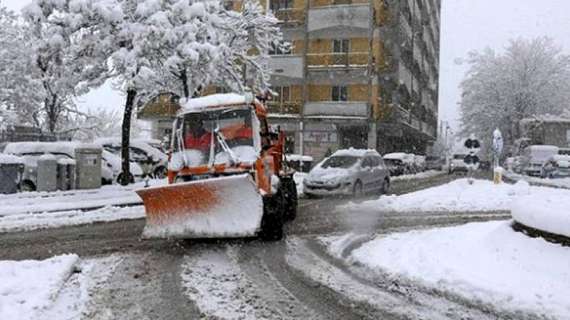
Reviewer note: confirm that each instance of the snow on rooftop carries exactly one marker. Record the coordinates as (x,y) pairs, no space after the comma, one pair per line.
(214,100)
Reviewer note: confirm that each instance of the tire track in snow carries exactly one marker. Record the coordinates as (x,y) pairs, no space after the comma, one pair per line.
(387,299)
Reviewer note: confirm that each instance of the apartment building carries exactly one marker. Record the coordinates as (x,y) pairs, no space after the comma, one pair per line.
(360,73)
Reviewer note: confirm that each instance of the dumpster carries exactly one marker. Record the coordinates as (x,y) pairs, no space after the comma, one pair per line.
(65,174)
(11,169)
(87,167)
(47,173)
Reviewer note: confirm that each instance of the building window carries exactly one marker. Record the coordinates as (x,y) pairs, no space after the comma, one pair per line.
(221,90)
(277,5)
(277,49)
(283,94)
(339,93)
(341,46)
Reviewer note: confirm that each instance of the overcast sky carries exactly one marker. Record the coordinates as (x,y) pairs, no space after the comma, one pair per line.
(466,25)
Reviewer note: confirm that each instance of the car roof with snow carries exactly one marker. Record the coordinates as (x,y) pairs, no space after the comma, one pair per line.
(355,153)
(397,156)
(135,143)
(64,147)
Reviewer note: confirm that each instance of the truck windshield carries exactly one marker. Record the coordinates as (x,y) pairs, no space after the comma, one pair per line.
(225,134)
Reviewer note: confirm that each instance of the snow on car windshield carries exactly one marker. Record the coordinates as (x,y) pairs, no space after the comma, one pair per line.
(340,162)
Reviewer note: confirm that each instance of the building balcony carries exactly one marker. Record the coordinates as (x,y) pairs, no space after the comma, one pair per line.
(337,109)
(285,107)
(337,60)
(345,16)
(290,66)
(291,16)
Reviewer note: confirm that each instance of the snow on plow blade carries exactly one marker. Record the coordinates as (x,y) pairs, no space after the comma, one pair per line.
(224,207)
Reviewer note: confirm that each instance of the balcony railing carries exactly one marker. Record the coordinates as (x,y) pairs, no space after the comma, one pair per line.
(330,16)
(333,108)
(351,59)
(285,107)
(290,15)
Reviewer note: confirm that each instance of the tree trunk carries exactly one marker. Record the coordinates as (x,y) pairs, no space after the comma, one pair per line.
(126,132)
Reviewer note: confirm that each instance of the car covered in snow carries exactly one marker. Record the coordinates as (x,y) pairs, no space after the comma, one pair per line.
(558,166)
(63,151)
(348,172)
(300,163)
(399,163)
(534,157)
(152,160)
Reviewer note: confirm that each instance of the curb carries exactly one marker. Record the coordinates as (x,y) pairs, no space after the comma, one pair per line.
(535,233)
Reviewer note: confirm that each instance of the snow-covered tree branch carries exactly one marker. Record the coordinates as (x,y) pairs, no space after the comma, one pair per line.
(532,77)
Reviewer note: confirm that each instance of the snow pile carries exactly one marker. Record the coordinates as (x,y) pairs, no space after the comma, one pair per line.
(557,183)
(28,288)
(455,196)
(550,213)
(488,262)
(28,222)
(421,175)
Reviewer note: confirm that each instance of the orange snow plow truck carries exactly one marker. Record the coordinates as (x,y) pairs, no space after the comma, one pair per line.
(226,174)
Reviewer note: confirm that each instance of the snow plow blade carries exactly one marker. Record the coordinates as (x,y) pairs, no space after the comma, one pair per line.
(226,207)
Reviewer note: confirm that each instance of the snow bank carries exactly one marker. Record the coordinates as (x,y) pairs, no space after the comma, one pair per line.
(550,213)
(421,175)
(29,222)
(557,183)
(28,288)
(487,261)
(455,196)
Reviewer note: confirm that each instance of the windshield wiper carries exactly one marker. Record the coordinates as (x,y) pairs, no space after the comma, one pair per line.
(234,159)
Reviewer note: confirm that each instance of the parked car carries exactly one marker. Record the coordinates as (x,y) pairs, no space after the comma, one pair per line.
(558,166)
(399,163)
(456,164)
(153,161)
(534,157)
(348,172)
(299,162)
(434,163)
(564,151)
(32,151)
(419,163)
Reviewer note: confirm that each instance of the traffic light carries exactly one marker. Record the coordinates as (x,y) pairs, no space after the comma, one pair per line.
(473,146)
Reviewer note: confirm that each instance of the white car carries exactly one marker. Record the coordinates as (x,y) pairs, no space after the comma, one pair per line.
(111,169)
(348,172)
(457,163)
(151,160)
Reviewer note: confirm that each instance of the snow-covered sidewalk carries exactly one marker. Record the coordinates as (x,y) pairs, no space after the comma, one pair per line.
(28,288)
(39,202)
(456,196)
(485,262)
